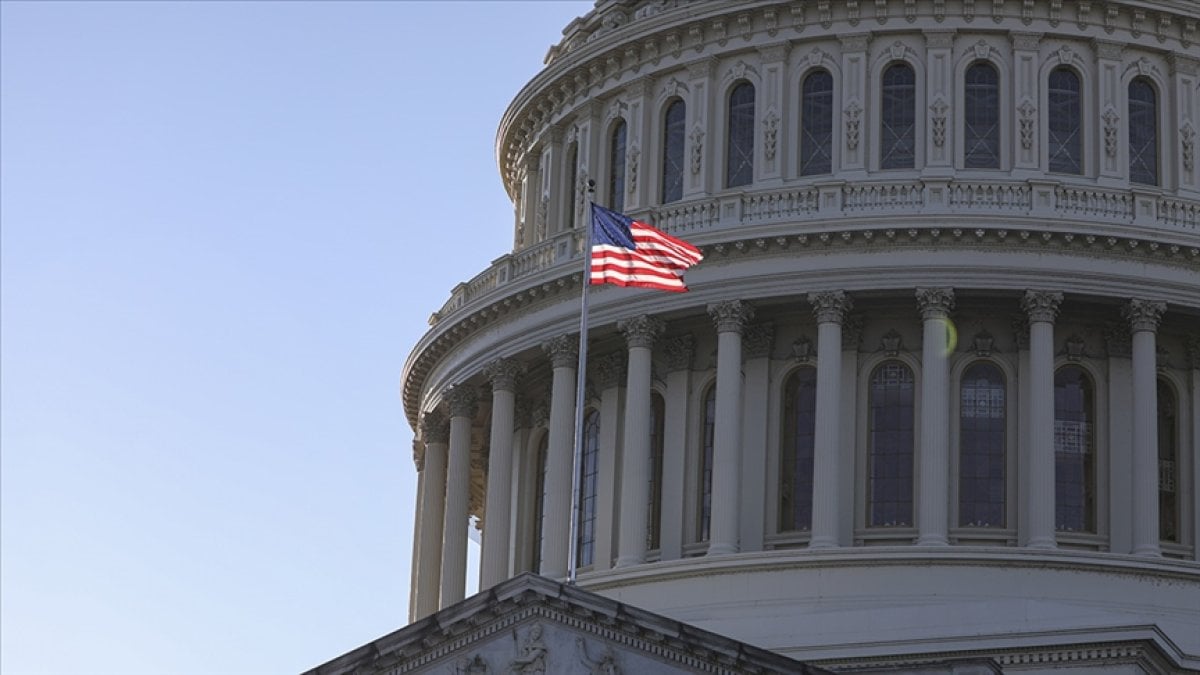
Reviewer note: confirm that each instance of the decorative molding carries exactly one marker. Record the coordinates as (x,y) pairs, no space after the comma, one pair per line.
(938,120)
(1026,42)
(503,373)
(730,315)
(532,658)
(852,330)
(770,129)
(983,343)
(522,413)
(634,154)
(1117,341)
(1020,330)
(679,350)
(461,400)
(563,351)
(1110,117)
(830,306)
(939,39)
(1027,112)
(982,50)
(738,71)
(610,370)
(853,114)
(641,330)
(855,42)
(1073,347)
(1143,315)
(697,137)
(935,303)
(1041,305)
(1193,351)
(1187,149)
(891,343)
(758,339)
(802,349)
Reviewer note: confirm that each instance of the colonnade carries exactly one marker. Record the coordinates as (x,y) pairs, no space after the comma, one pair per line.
(439,574)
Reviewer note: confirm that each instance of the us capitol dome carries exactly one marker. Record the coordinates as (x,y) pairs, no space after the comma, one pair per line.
(934,395)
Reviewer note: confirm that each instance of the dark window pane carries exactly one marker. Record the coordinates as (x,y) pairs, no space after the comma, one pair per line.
(710,419)
(572,189)
(672,166)
(616,168)
(1065,113)
(898,118)
(739,150)
(1168,463)
(890,456)
(982,422)
(796,454)
(656,468)
(981,117)
(816,124)
(1143,133)
(588,470)
(1074,452)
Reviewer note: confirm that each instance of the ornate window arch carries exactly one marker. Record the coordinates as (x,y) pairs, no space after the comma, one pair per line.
(739,135)
(890,443)
(1143,131)
(898,117)
(797,444)
(816,123)
(1074,450)
(1168,462)
(981,116)
(654,513)
(674,134)
(1064,101)
(983,446)
(708,416)
(588,471)
(616,166)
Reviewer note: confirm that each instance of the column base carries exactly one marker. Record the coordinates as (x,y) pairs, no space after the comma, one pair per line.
(1042,543)
(1148,551)
(629,561)
(722,549)
(823,542)
(933,540)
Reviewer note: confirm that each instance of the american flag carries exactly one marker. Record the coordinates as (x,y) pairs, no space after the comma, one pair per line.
(626,252)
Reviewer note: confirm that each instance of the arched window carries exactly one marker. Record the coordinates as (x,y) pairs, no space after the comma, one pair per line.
(816,124)
(572,189)
(898,135)
(539,502)
(1074,451)
(1168,464)
(616,168)
(982,423)
(657,413)
(588,469)
(706,462)
(796,455)
(981,117)
(739,145)
(672,160)
(890,454)
(1143,132)
(1065,122)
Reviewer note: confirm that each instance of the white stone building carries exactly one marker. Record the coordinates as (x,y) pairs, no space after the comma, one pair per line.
(935,392)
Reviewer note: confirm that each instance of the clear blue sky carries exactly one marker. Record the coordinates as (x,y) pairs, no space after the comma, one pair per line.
(224,226)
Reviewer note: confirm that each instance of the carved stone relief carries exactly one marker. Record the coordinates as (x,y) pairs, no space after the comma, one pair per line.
(770,130)
(1110,118)
(939,108)
(853,115)
(1027,111)
(697,137)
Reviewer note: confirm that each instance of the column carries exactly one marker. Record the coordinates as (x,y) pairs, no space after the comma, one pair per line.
(415,570)
(518,547)
(497,515)
(730,318)
(756,376)
(1118,344)
(436,433)
(1020,330)
(609,378)
(1143,316)
(640,333)
(678,351)
(564,359)
(933,470)
(1042,308)
(830,309)
(461,400)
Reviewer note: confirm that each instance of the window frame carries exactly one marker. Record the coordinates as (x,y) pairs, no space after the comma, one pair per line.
(1128,140)
(965,122)
(727,131)
(802,121)
(615,176)
(664,156)
(1083,120)
(877,157)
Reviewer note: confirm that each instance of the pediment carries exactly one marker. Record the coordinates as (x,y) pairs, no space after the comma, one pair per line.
(531,624)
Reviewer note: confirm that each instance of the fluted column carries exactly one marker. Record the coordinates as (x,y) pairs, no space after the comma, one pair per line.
(934,468)
(564,359)
(415,569)
(497,516)
(461,400)
(1042,308)
(830,309)
(640,333)
(730,318)
(1143,316)
(436,433)
(678,351)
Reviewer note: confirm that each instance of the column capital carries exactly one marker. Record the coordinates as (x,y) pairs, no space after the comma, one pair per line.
(461,400)
(610,370)
(1143,314)
(503,374)
(563,350)
(935,303)
(679,350)
(730,316)
(418,450)
(757,340)
(435,428)
(641,330)
(1041,305)
(830,306)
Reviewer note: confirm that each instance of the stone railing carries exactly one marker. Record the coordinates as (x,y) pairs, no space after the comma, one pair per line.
(1079,205)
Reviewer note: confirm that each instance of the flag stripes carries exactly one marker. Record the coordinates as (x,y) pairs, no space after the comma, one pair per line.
(626,252)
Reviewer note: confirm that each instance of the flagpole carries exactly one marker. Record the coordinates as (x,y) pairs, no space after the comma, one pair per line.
(580,381)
